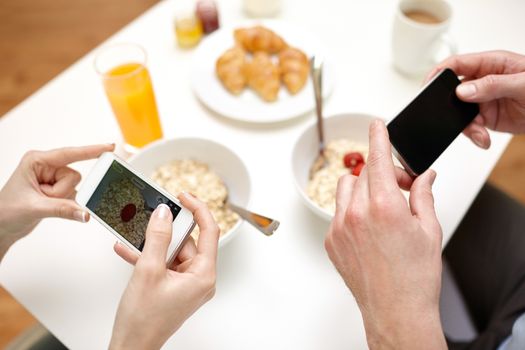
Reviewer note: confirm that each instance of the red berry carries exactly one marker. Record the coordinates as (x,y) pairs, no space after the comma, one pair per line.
(357,170)
(128,212)
(352,159)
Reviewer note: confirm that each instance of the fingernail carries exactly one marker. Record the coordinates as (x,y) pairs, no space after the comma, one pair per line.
(466,90)
(188,195)
(81,216)
(162,211)
(477,138)
(433,175)
(374,125)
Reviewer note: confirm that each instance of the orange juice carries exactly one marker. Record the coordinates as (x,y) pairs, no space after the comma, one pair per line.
(130,93)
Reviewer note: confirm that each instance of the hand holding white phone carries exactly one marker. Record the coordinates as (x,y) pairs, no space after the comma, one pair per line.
(123,200)
(158,299)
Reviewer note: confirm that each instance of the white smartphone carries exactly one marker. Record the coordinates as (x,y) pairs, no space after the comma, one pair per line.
(123,200)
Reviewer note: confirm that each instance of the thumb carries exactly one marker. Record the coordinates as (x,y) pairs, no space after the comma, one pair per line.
(492,87)
(62,208)
(158,236)
(421,199)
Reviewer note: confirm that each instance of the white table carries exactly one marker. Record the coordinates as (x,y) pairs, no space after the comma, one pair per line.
(272,293)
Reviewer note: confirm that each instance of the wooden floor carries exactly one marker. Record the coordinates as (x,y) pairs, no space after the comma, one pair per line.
(509,173)
(39,38)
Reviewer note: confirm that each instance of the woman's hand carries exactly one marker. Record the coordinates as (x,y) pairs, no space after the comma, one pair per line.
(495,80)
(388,251)
(158,300)
(42,186)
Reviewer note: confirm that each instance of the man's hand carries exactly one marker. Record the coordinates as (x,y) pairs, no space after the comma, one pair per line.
(388,251)
(495,80)
(43,185)
(158,300)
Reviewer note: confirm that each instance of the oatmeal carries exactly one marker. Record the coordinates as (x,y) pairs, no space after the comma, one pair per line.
(196,178)
(323,184)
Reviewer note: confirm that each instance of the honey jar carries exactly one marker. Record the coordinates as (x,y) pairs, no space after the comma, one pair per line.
(207,13)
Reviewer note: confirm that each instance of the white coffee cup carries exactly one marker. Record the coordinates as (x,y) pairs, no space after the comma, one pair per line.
(420,37)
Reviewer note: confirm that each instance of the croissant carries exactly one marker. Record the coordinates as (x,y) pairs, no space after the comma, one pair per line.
(294,69)
(259,38)
(263,76)
(230,69)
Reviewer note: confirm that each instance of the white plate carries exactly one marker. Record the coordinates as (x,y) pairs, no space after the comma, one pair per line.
(249,107)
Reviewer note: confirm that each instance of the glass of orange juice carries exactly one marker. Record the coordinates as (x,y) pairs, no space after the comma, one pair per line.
(129,90)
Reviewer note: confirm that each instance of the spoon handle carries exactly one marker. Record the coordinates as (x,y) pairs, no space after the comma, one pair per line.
(317,78)
(262,223)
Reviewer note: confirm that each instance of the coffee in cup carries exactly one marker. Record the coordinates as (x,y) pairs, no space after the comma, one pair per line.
(420,36)
(422,17)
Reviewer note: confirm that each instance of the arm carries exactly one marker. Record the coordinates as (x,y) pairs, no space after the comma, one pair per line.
(42,186)
(495,80)
(388,251)
(6,239)
(158,299)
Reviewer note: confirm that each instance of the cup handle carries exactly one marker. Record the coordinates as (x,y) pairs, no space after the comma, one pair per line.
(444,41)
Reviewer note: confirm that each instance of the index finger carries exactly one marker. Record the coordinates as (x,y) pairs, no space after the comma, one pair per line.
(209,231)
(63,156)
(343,194)
(477,64)
(380,166)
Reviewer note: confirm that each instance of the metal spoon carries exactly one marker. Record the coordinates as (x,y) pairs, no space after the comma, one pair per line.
(317,78)
(264,224)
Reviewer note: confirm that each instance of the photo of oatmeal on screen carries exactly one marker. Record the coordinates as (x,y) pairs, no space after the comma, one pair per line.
(125,202)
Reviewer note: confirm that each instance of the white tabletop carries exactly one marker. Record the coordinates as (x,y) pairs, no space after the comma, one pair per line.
(272,293)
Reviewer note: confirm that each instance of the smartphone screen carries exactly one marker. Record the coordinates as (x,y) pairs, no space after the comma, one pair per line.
(125,203)
(430,123)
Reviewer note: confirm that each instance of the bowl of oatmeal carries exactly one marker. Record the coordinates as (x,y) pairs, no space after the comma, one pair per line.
(204,168)
(346,151)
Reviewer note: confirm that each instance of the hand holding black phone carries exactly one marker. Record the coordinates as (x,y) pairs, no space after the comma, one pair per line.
(430,123)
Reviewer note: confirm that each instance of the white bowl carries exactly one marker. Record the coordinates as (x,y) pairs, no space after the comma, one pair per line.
(353,126)
(220,159)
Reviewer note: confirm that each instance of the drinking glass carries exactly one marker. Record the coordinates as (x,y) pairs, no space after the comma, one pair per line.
(129,90)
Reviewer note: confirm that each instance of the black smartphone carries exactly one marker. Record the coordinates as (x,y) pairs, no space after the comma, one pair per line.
(430,123)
